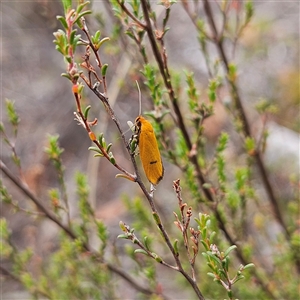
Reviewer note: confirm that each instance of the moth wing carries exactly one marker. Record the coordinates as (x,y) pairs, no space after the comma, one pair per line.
(150,156)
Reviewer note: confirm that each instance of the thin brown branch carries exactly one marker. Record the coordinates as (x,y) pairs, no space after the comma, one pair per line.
(24,188)
(7,273)
(183,224)
(246,126)
(131,236)
(174,100)
(84,122)
(192,157)
(167,80)
(128,12)
(95,51)
(208,195)
(131,281)
(247,132)
(168,241)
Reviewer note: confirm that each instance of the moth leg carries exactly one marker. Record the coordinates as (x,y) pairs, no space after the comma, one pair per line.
(152,189)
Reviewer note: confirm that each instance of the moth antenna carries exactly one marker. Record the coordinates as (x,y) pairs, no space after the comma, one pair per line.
(140,98)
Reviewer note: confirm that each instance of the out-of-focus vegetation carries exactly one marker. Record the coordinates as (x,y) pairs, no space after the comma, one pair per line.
(218,81)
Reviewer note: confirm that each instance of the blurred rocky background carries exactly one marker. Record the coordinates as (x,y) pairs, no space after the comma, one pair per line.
(268,60)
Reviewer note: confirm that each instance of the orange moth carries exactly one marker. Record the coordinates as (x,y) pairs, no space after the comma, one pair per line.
(148,148)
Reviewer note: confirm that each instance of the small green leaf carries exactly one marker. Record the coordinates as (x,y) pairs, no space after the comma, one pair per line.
(27,280)
(11,112)
(225,263)
(250,145)
(103,142)
(207,186)
(80,87)
(16,159)
(104,70)
(133,145)
(77,20)
(204,245)
(123,236)
(111,158)
(213,257)
(204,232)
(99,44)
(211,237)
(97,36)
(66,76)
(229,250)
(249,9)
(108,147)
(156,218)
(239,277)
(130,34)
(102,231)
(232,72)
(81,6)
(5,196)
(68,59)
(203,219)
(92,148)
(251,265)
(4,229)
(157,258)
(86,111)
(72,36)
(63,21)
(122,226)
(222,273)
(211,275)
(147,242)
(220,161)
(222,143)
(142,251)
(212,89)
(212,266)
(67,4)
(100,137)
(54,151)
(175,246)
